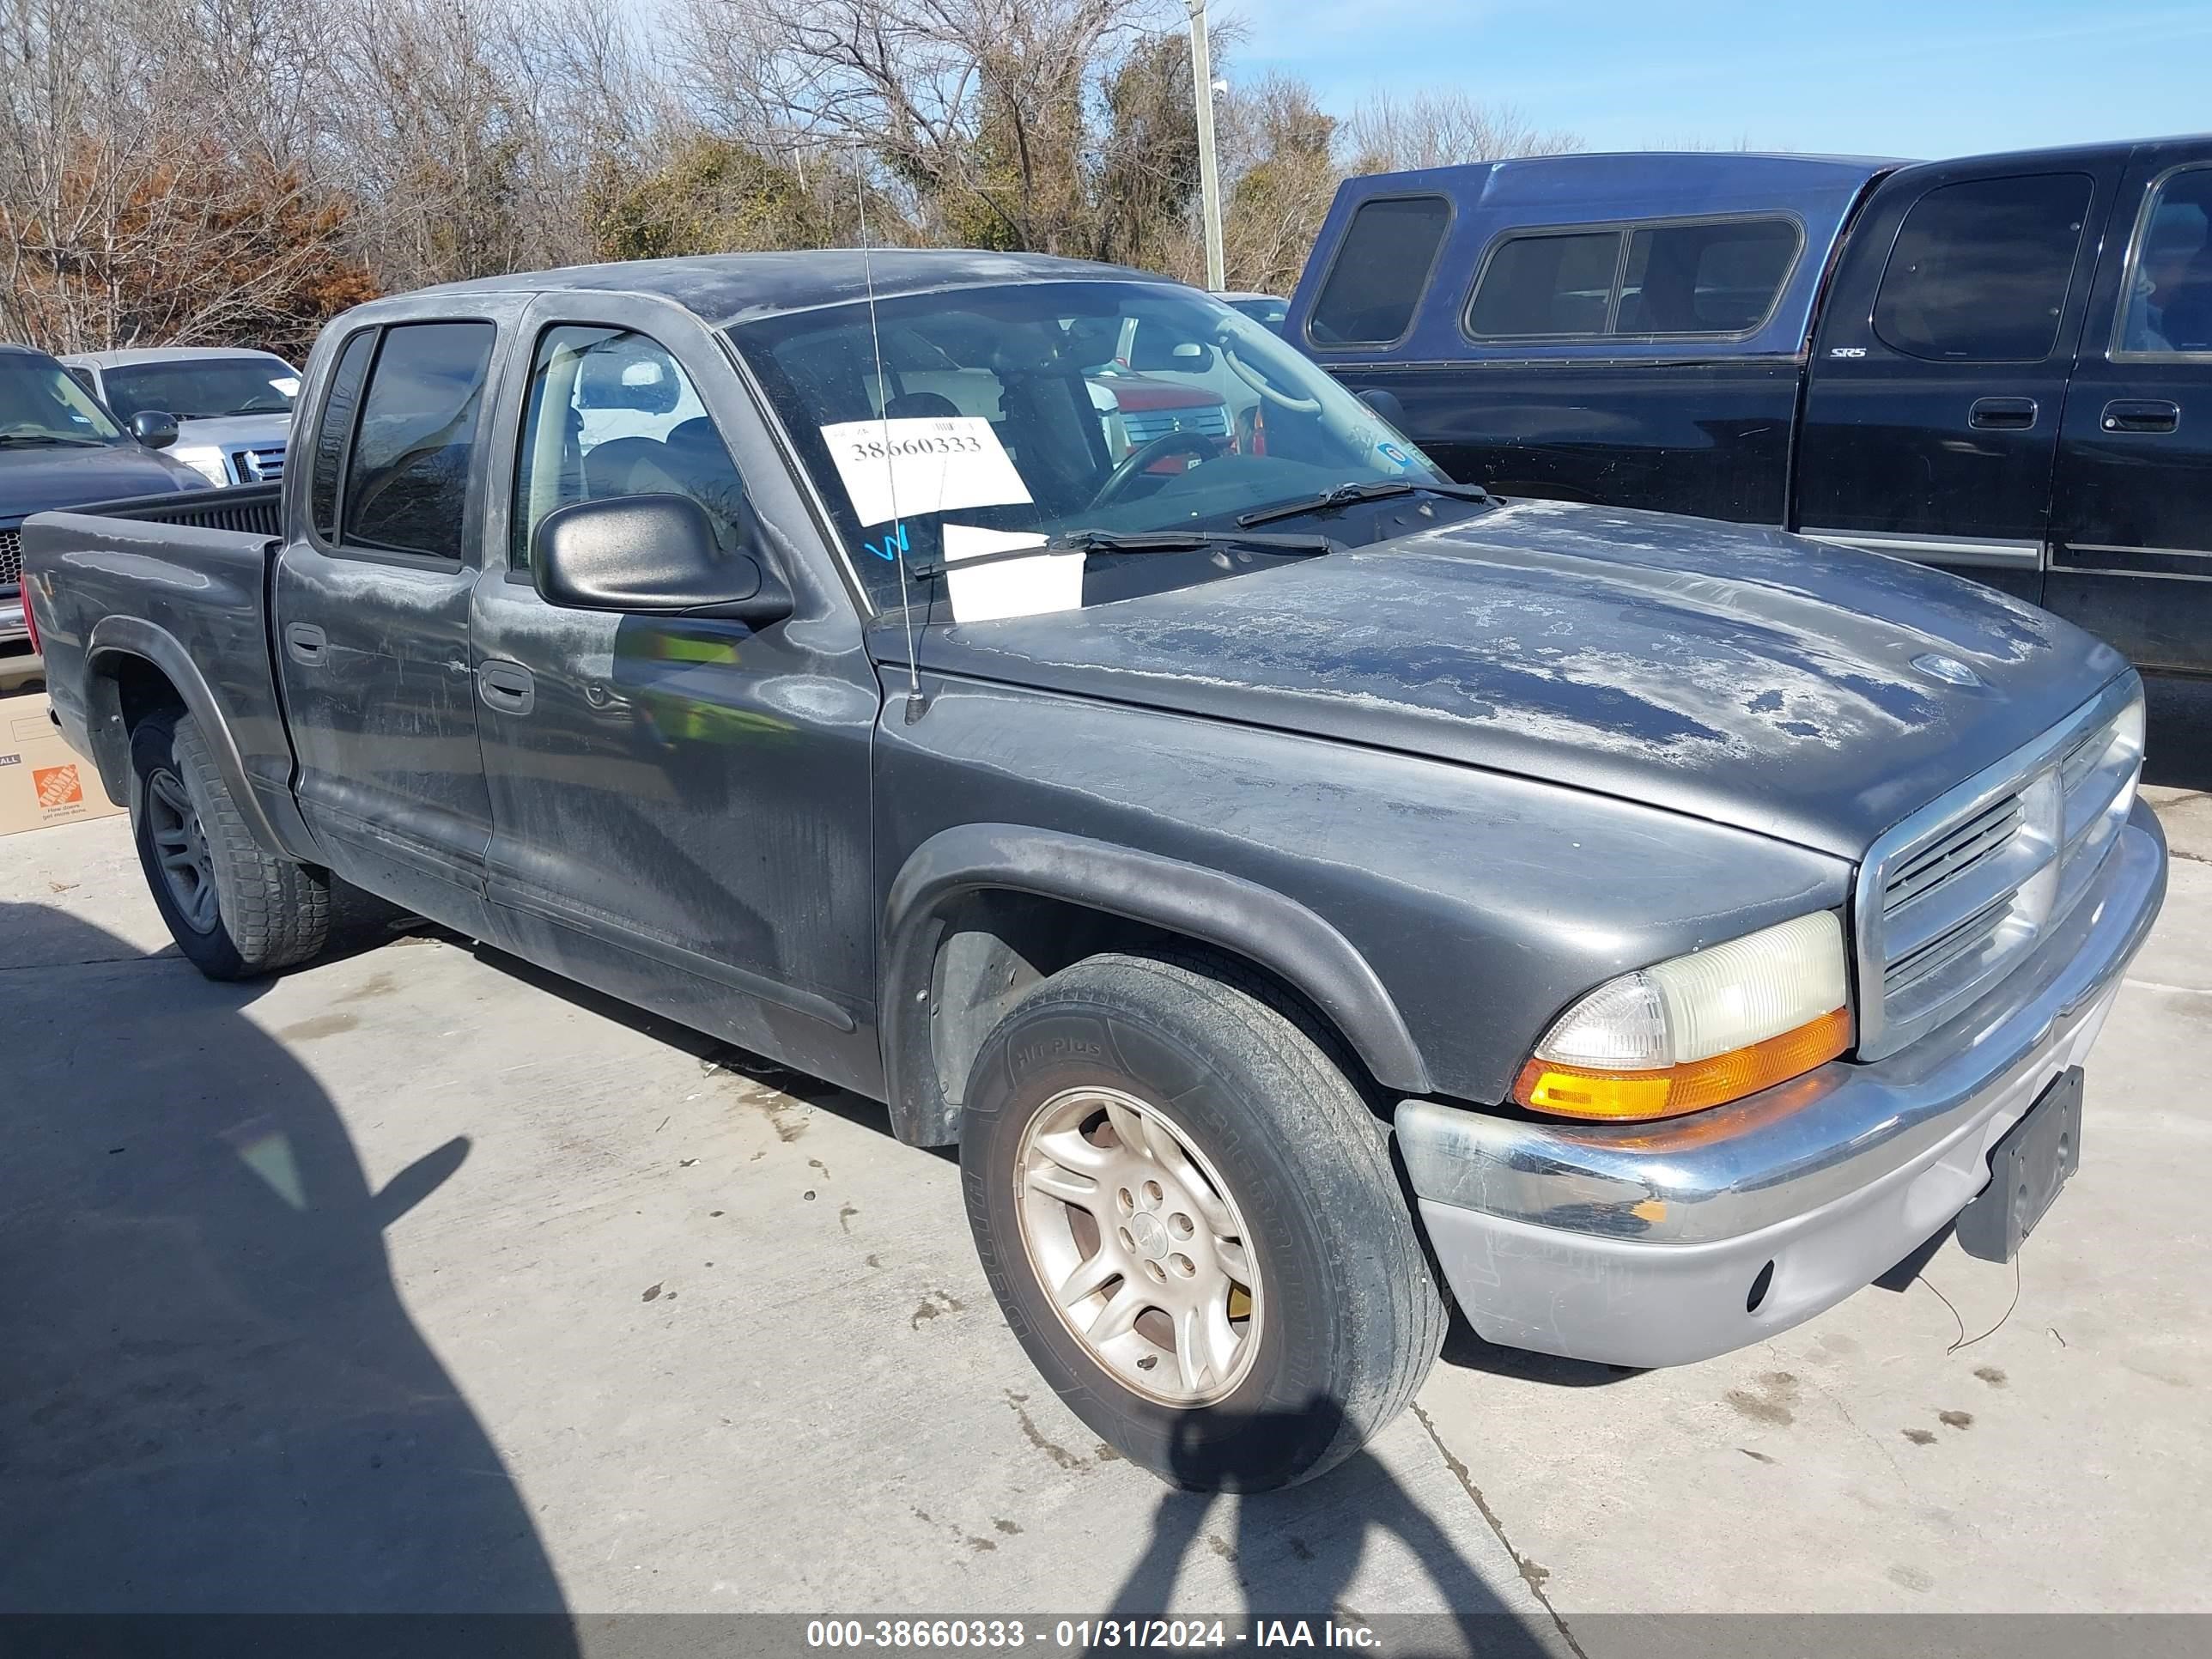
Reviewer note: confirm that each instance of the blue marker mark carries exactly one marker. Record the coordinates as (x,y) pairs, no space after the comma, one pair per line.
(892,547)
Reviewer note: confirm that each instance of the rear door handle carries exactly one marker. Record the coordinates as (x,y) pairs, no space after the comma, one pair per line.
(2003,414)
(305,643)
(2141,415)
(508,687)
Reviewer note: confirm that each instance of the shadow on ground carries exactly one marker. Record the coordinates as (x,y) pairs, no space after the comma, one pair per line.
(1296,1553)
(211,1398)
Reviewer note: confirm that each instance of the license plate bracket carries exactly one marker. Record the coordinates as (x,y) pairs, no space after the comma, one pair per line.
(2027,1169)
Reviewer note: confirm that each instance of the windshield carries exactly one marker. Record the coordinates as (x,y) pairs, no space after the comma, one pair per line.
(201,388)
(1266,311)
(39,404)
(1054,407)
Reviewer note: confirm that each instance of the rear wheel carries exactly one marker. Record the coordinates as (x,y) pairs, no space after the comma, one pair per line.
(234,910)
(1190,1219)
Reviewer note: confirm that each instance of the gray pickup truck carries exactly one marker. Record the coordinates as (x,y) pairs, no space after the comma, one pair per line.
(1292,878)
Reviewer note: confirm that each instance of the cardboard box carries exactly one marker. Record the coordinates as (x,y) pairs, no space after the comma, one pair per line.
(42,780)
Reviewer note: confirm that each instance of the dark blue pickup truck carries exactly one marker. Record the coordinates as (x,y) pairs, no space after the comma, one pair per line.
(2001,365)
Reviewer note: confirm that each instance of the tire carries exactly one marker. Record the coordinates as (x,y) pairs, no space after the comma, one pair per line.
(1341,1319)
(238,912)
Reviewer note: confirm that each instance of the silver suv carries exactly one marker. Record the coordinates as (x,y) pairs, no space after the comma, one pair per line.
(232,408)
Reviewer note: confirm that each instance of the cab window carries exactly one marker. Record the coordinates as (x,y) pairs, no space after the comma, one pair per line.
(610,413)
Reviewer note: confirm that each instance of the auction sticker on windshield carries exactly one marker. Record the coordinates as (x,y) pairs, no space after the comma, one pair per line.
(907,468)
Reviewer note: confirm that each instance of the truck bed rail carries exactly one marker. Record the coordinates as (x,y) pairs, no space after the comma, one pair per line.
(251,509)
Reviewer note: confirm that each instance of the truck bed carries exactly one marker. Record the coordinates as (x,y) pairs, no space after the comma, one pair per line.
(177,583)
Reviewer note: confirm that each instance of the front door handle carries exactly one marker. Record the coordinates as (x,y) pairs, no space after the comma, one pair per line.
(508,687)
(306,643)
(2141,415)
(2003,414)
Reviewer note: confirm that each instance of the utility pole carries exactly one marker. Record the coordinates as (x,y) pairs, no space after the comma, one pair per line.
(1209,180)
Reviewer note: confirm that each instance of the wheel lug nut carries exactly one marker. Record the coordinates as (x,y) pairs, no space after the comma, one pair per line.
(1180,1225)
(1182,1264)
(1152,1193)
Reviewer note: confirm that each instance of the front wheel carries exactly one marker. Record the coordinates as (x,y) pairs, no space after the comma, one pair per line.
(234,910)
(1190,1220)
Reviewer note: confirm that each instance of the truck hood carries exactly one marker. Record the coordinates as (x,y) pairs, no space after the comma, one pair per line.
(41,480)
(1732,672)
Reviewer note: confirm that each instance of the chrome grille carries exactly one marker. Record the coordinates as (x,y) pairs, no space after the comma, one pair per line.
(1954,855)
(1958,896)
(264,465)
(1142,426)
(11,560)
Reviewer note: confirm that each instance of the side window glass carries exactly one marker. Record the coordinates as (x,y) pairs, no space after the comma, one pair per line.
(1980,270)
(610,413)
(407,482)
(83,378)
(1380,271)
(1538,285)
(1705,278)
(2168,309)
(334,429)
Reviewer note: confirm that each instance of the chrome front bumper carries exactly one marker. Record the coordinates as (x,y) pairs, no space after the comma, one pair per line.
(12,626)
(1648,1246)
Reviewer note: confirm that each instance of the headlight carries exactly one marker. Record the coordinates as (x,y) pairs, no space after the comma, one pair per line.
(2128,732)
(1700,1030)
(204,459)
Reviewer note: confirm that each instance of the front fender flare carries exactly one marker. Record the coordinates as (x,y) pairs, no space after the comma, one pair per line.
(116,637)
(1240,916)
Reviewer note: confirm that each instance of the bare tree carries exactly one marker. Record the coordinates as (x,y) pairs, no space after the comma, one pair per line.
(1277,151)
(983,111)
(241,169)
(156,183)
(1390,132)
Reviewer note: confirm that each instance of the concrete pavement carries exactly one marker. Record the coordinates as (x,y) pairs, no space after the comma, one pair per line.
(416,1280)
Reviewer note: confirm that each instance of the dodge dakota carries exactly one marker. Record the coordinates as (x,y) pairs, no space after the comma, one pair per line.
(1306,889)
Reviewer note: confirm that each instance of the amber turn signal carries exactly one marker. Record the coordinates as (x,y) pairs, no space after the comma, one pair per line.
(1578,1091)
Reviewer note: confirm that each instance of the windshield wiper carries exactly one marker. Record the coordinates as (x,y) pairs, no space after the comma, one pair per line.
(1351,494)
(1149,541)
(53,438)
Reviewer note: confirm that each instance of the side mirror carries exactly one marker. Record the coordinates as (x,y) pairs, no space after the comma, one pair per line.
(649,553)
(1386,405)
(153,427)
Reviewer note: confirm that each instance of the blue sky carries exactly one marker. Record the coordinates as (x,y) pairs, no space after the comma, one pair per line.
(1939,77)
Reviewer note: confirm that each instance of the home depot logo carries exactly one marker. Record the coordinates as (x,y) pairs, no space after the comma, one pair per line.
(56,787)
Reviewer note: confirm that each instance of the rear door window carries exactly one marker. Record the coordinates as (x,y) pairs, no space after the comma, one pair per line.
(407,482)
(1381,269)
(1980,269)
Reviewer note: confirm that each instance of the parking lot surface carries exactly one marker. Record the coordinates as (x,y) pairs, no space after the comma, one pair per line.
(417,1280)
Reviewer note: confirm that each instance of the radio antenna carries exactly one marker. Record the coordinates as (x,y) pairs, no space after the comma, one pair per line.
(897,539)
